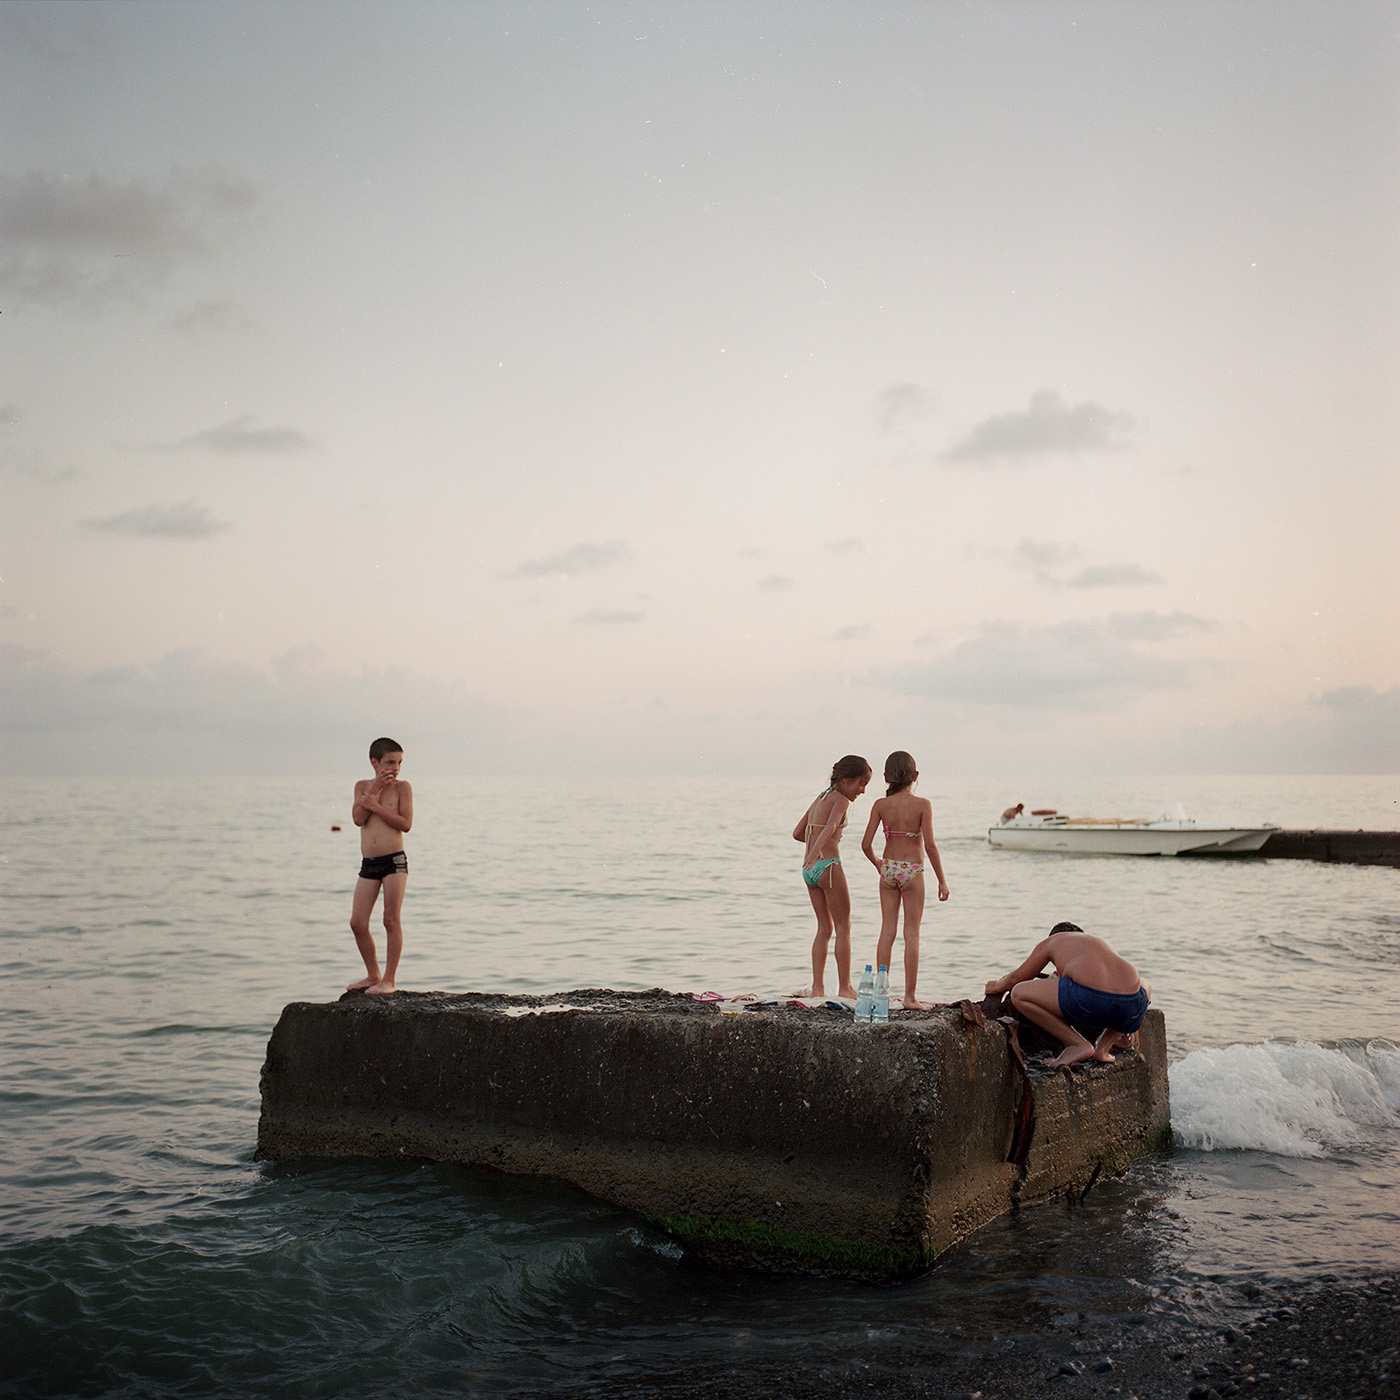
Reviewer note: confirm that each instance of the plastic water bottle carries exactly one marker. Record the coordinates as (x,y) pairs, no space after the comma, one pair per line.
(865,995)
(880,1002)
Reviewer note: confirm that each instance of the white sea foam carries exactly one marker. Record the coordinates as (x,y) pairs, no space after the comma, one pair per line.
(1294,1099)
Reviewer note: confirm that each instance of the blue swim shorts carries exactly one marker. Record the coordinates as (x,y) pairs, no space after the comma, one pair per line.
(1115,1011)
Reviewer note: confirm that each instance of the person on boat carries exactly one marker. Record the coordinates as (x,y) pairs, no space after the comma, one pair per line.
(1012,813)
(908,824)
(1094,987)
(819,829)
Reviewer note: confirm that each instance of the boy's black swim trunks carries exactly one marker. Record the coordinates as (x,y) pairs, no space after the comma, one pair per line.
(377,867)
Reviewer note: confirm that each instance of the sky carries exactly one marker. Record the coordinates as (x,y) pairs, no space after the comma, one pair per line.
(700,387)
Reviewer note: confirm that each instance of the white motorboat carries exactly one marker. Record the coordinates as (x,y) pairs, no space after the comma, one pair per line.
(1048,830)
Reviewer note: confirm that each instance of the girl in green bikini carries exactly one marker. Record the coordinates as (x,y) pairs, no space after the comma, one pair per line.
(819,829)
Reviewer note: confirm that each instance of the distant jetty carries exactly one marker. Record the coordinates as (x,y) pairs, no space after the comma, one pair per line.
(784,1137)
(1344,847)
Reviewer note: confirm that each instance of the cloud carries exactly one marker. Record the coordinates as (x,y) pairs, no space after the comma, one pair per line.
(608,616)
(581,559)
(1048,425)
(1077,666)
(1114,576)
(183,521)
(1047,560)
(775,583)
(97,239)
(239,435)
(1041,556)
(849,545)
(1362,699)
(27,461)
(1353,729)
(854,633)
(190,712)
(1362,726)
(899,404)
(36,465)
(1156,627)
(217,315)
(78,34)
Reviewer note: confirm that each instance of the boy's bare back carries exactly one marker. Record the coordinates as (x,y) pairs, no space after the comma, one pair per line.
(1091,962)
(1081,957)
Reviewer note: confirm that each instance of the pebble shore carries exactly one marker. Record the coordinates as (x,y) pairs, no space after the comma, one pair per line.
(1326,1340)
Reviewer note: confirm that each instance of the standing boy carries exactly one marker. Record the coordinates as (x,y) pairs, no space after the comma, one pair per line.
(1095,987)
(383,811)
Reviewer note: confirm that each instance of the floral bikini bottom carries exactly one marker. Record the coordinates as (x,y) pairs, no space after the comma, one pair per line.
(898,873)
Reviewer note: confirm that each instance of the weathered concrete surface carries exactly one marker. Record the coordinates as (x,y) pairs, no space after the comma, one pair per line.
(1346,847)
(787,1137)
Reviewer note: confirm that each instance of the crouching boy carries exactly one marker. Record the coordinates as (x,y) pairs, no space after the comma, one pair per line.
(1094,987)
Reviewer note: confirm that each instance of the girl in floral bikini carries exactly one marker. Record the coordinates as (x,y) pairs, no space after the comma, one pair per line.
(819,829)
(908,822)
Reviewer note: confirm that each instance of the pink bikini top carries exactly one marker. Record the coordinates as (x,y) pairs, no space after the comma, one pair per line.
(889,833)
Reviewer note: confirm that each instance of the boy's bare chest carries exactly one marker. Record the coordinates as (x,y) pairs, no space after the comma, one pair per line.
(387,798)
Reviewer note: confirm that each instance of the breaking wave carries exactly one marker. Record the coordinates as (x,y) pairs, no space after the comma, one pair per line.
(1290,1098)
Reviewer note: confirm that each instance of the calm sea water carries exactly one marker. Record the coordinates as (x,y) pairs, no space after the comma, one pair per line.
(153,930)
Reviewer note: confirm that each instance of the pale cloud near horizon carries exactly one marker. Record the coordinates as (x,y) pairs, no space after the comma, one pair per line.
(1049,425)
(184,520)
(1049,561)
(1368,719)
(1115,576)
(191,712)
(1044,556)
(204,714)
(1156,627)
(1081,666)
(584,558)
(1352,730)
(609,617)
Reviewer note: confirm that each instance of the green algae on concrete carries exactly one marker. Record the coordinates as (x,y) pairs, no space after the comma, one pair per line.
(750,1242)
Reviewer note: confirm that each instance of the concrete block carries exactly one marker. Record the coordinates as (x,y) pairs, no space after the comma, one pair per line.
(1341,847)
(785,1137)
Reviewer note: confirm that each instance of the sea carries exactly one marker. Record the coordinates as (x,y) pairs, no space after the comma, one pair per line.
(154,928)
